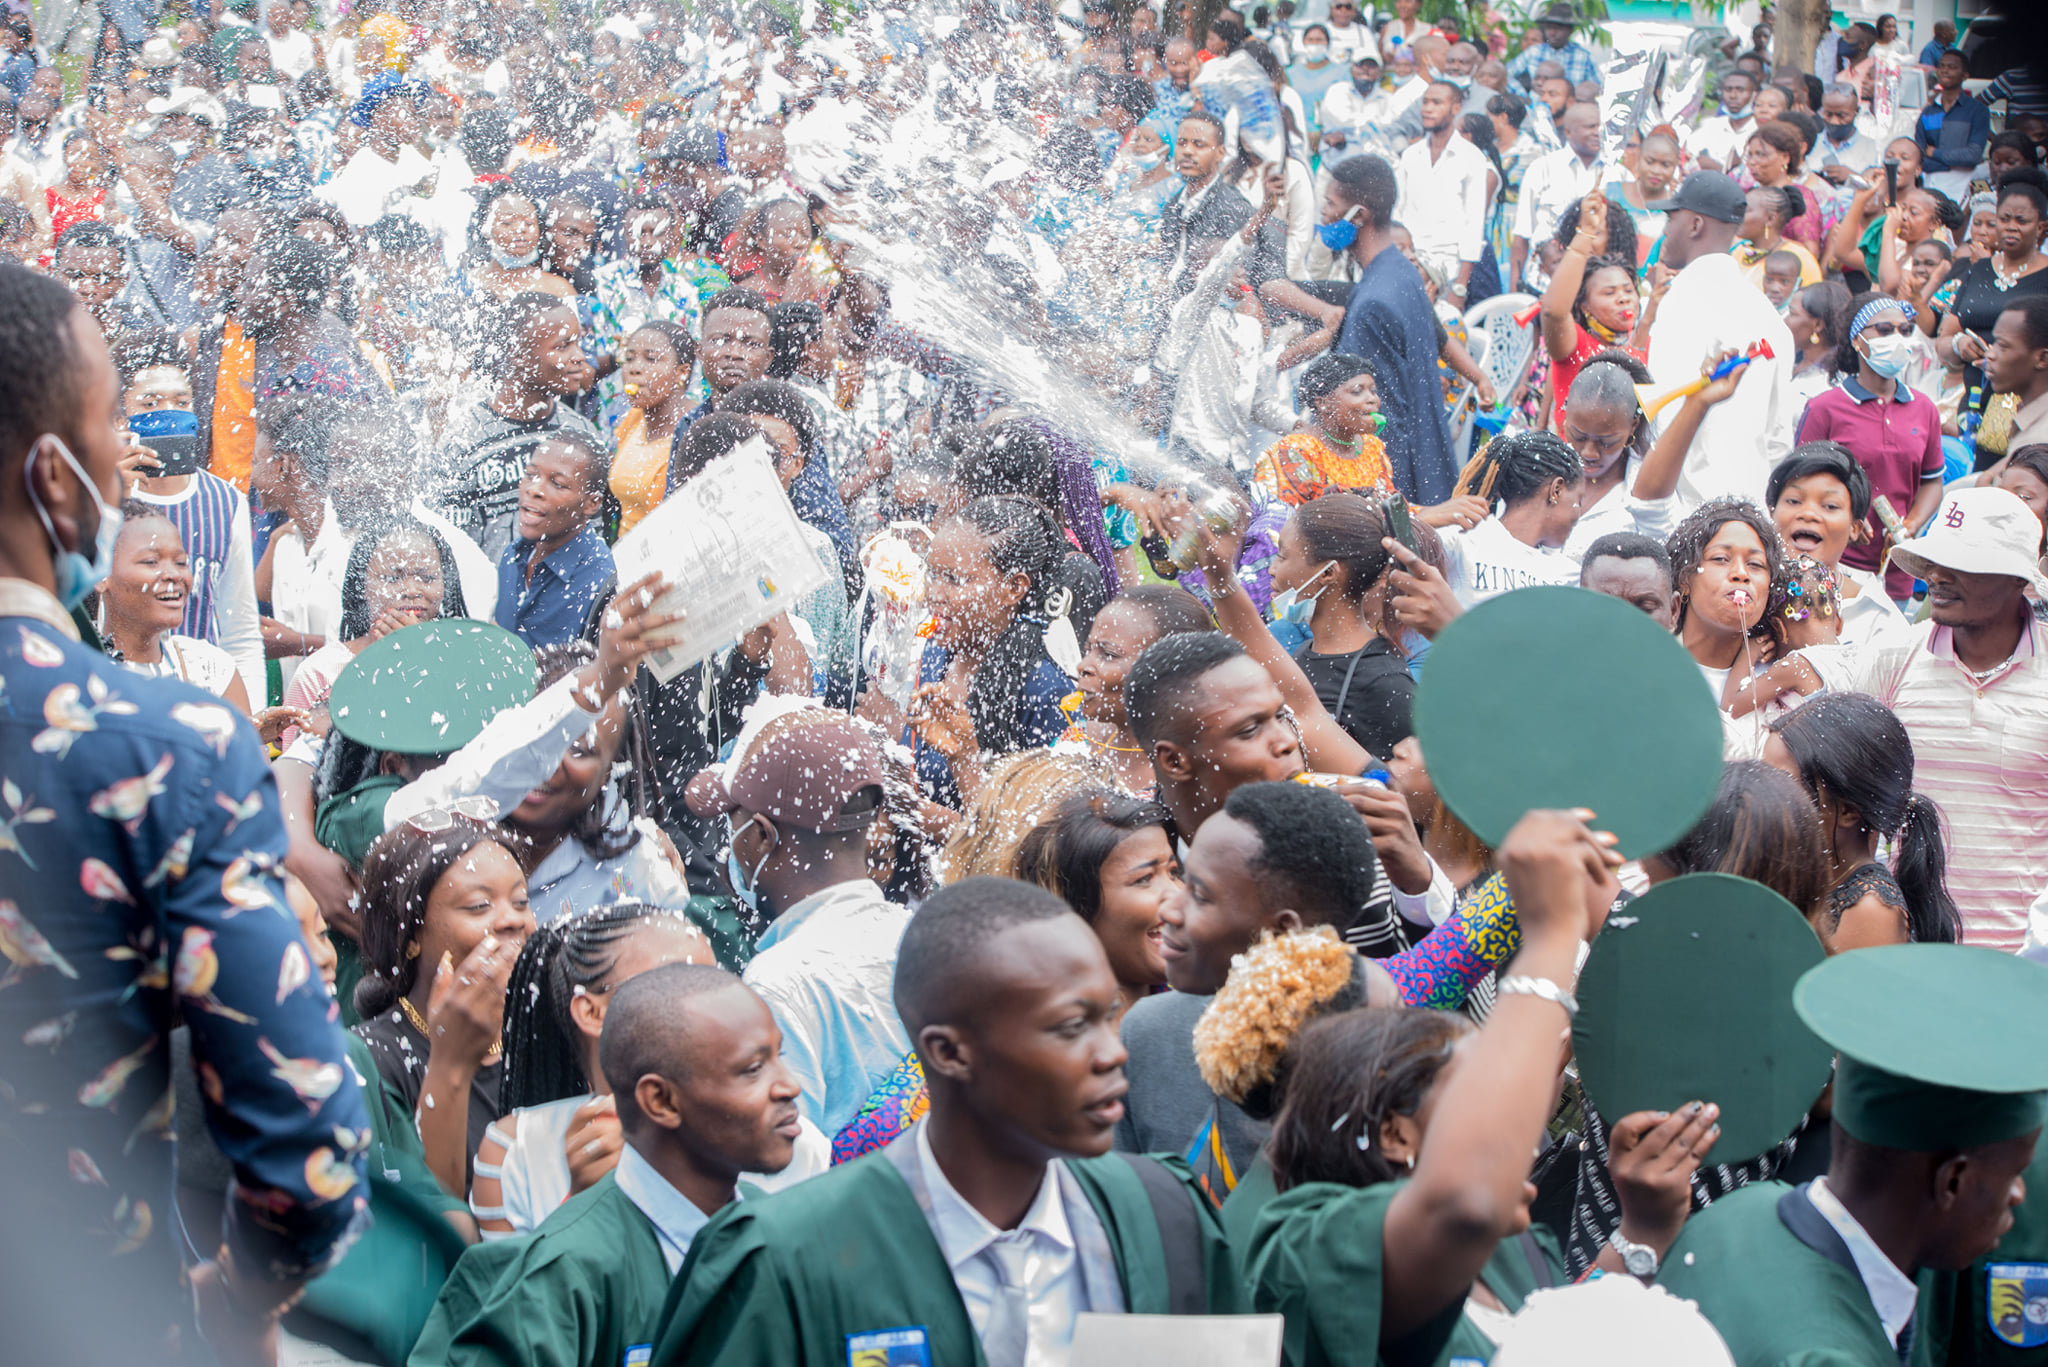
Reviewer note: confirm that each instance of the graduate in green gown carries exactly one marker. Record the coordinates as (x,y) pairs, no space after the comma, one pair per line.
(911,1254)
(1404,1140)
(693,1057)
(1940,1090)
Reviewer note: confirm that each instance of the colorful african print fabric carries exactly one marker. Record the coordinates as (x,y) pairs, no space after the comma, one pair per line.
(896,1105)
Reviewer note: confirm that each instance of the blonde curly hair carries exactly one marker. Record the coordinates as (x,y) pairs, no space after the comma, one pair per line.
(1020,791)
(1275,988)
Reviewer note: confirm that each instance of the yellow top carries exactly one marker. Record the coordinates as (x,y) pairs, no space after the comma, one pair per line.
(639,470)
(1300,468)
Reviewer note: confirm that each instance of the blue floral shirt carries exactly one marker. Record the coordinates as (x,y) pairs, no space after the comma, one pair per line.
(140,836)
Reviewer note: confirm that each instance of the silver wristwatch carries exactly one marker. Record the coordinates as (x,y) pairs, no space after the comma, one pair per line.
(1639,1259)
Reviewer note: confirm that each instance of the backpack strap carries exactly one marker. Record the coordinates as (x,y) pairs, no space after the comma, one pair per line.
(1179,1235)
(1539,1266)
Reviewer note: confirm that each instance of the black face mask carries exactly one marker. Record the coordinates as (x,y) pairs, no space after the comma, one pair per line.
(1365,85)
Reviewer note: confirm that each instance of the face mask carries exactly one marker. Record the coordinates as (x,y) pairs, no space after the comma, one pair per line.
(1400,82)
(1838,132)
(1340,235)
(1313,53)
(181,148)
(512,263)
(1363,85)
(76,575)
(1889,356)
(1289,606)
(1145,161)
(1462,82)
(743,885)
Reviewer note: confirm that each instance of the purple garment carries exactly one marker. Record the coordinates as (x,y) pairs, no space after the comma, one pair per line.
(1254,561)
(1081,502)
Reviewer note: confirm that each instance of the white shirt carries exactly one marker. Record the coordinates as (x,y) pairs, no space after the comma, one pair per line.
(827,969)
(1347,39)
(519,750)
(1722,137)
(1442,199)
(1870,613)
(1553,181)
(1045,1257)
(369,187)
(1618,510)
(1892,1293)
(291,55)
(1399,33)
(305,581)
(1487,561)
(235,620)
(1711,307)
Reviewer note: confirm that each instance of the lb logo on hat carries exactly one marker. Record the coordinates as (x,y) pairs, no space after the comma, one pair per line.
(2016,1303)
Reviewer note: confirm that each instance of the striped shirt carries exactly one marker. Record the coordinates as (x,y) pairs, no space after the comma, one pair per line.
(1980,750)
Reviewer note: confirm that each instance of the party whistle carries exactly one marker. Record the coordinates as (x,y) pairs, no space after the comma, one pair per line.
(1652,398)
(1528,315)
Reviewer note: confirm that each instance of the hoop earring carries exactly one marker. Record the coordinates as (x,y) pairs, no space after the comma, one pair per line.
(412,949)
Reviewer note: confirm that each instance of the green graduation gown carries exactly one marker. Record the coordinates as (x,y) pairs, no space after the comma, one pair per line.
(585,1288)
(1955,1323)
(1776,1301)
(1314,1255)
(782,1281)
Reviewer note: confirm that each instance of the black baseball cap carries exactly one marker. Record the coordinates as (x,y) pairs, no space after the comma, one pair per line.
(1709,194)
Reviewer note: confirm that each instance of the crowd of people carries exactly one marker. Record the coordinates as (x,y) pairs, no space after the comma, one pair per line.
(1052,912)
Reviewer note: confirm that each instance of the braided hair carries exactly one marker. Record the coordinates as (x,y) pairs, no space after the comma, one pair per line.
(1023,538)
(1511,470)
(574,956)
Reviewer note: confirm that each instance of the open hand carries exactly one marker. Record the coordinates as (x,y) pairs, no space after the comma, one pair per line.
(633,629)
(1555,863)
(593,1142)
(1652,1156)
(466,1008)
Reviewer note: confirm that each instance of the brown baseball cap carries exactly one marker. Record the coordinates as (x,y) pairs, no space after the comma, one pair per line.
(802,770)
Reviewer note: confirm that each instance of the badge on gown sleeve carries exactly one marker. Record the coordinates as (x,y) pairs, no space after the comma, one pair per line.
(2016,1303)
(905,1347)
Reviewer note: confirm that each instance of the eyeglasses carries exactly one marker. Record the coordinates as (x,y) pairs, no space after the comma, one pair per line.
(437,819)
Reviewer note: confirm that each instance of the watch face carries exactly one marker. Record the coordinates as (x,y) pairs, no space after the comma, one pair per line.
(1640,1261)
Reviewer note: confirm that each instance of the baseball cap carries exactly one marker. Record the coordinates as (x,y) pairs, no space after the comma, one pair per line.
(1979,531)
(1710,195)
(802,770)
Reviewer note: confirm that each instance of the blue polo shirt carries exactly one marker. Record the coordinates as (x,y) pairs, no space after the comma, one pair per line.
(551,607)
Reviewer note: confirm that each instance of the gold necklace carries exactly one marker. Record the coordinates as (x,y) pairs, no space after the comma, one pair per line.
(419,1023)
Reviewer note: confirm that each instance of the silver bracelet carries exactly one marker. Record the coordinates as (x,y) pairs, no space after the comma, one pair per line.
(1521,986)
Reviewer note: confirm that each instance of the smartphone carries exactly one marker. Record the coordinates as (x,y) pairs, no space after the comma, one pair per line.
(1398,524)
(174,435)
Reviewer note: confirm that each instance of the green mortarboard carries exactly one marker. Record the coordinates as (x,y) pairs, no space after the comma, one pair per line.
(1941,1044)
(427,689)
(1687,996)
(1560,697)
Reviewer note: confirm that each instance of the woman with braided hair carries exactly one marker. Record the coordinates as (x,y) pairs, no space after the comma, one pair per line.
(1771,209)
(1592,303)
(1533,484)
(559,1132)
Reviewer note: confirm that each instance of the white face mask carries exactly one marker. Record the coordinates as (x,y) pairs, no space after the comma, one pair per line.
(1315,52)
(181,148)
(1889,356)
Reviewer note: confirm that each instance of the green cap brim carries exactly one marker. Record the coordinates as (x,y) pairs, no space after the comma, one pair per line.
(1941,1044)
(428,689)
(1687,996)
(1558,697)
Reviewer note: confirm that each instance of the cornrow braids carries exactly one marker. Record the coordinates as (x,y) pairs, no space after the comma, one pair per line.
(1511,470)
(575,955)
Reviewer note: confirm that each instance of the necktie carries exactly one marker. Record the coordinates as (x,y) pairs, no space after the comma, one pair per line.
(1007,1333)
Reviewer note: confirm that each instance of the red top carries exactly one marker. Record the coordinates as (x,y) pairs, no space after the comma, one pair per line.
(1898,444)
(1564,372)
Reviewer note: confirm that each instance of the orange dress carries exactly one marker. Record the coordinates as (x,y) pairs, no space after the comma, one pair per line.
(1302,467)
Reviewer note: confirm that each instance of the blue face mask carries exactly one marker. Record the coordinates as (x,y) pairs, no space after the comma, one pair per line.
(1340,235)
(1289,606)
(76,575)
(743,885)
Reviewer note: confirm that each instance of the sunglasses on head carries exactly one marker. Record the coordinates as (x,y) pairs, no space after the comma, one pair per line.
(437,819)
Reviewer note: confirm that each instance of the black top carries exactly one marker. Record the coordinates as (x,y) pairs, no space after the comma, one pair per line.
(400,1053)
(1979,301)
(1368,691)
(1863,880)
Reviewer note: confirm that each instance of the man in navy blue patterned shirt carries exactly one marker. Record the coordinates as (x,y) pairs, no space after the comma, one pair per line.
(139,838)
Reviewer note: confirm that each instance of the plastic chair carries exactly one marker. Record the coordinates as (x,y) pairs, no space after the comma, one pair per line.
(1510,347)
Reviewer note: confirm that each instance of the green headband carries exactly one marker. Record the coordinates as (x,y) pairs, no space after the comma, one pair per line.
(1895,1112)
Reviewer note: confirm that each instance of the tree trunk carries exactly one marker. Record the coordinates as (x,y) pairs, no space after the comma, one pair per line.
(1799,26)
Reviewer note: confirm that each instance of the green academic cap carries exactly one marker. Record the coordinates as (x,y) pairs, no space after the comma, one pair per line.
(428,689)
(1687,996)
(1941,1044)
(1560,697)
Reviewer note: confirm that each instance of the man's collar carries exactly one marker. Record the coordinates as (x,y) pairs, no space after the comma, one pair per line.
(675,1217)
(20,598)
(1855,390)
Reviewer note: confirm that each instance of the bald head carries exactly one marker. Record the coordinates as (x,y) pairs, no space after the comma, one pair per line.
(648,1028)
(1462,59)
(1580,127)
(945,967)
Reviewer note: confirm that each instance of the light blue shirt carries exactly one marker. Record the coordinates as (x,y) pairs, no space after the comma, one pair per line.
(675,1217)
(1892,1293)
(827,969)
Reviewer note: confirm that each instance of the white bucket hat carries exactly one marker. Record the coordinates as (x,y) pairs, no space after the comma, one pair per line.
(1979,531)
